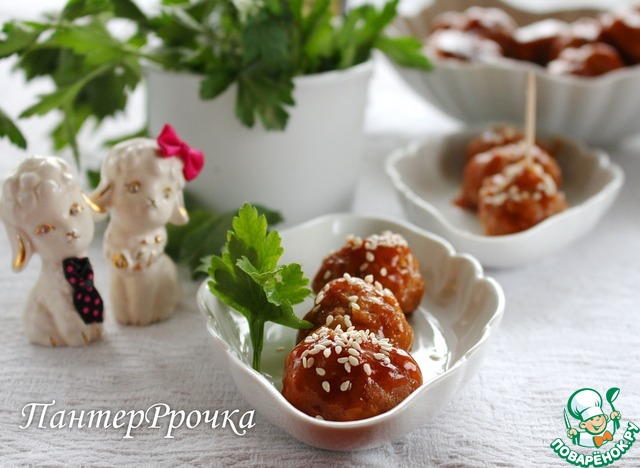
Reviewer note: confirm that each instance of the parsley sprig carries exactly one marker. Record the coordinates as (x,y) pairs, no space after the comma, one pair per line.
(260,50)
(247,277)
(205,234)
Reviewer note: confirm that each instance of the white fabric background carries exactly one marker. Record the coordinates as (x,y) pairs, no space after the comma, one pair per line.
(572,320)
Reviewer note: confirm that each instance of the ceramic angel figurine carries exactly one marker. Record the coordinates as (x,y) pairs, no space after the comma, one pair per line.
(141,184)
(45,211)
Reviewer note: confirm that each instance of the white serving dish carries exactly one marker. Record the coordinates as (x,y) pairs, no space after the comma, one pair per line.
(427,176)
(599,110)
(459,311)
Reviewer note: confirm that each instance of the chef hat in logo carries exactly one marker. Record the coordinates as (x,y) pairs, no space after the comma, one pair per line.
(585,404)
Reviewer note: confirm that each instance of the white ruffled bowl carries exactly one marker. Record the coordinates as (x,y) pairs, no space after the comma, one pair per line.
(427,176)
(599,110)
(459,311)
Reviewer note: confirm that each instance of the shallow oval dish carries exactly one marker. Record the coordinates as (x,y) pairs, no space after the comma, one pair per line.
(427,176)
(460,309)
(598,110)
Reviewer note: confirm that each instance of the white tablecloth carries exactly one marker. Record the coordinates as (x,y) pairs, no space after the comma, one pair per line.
(572,321)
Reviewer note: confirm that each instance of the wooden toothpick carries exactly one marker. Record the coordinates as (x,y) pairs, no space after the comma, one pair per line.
(530,116)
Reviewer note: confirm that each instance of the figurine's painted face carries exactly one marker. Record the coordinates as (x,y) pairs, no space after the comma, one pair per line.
(61,228)
(595,425)
(141,200)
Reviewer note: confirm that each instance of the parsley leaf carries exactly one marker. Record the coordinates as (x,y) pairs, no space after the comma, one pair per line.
(192,244)
(11,131)
(247,277)
(121,8)
(17,36)
(405,51)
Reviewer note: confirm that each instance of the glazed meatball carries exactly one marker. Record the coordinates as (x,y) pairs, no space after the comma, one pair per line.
(536,42)
(588,60)
(491,23)
(519,197)
(581,32)
(386,257)
(499,135)
(365,305)
(491,162)
(448,20)
(460,45)
(488,23)
(622,31)
(348,375)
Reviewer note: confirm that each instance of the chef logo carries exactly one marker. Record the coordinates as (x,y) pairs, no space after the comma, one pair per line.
(591,423)
(596,427)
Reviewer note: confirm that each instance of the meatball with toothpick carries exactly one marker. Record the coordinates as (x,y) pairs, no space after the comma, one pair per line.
(519,197)
(492,162)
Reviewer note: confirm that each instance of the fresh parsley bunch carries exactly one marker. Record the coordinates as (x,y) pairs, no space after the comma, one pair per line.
(258,45)
(248,278)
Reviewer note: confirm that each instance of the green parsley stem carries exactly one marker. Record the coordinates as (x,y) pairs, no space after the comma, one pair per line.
(71,134)
(256,328)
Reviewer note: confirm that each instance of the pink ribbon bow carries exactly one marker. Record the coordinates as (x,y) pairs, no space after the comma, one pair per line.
(171,145)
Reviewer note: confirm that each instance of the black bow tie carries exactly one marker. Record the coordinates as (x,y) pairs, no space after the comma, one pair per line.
(86,298)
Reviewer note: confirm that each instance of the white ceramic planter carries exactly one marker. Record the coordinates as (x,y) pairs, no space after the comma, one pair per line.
(309,169)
